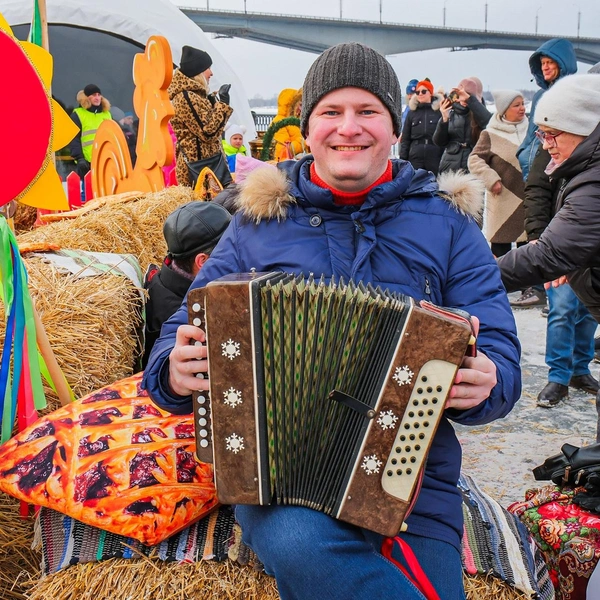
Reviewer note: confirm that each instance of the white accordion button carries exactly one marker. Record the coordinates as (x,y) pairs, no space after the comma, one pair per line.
(202,422)
(231,349)
(234,443)
(197,322)
(204,443)
(387,420)
(371,464)
(201,399)
(196,307)
(233,397)
(403,375)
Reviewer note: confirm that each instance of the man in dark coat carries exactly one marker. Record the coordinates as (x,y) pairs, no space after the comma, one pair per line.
(569,248)
(191,232)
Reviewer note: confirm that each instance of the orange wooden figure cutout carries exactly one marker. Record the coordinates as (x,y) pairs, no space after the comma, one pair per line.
(112,171)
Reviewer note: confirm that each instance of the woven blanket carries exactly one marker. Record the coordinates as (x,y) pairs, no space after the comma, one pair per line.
(495,542)
(66,541)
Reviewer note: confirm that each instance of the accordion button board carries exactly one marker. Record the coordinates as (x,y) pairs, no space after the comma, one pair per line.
(322,394)
(415,433)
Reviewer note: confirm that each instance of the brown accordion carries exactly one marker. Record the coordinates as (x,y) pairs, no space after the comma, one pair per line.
(323,395)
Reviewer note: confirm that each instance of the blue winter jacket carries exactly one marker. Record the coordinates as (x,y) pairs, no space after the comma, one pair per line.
(404,237)
(561,51)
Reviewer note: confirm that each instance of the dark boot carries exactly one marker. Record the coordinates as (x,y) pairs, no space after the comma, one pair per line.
(587,383)
(552,394)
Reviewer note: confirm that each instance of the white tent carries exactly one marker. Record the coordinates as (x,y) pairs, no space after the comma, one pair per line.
(132,20)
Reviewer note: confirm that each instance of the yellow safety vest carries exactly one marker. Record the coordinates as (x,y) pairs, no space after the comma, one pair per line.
(89,126)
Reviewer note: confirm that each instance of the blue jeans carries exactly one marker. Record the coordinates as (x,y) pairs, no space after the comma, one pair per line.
(569,336)
(316,557)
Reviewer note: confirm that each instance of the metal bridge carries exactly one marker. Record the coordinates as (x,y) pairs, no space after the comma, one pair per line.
(315,34)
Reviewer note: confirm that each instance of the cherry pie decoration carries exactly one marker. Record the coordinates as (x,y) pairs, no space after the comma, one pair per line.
(115,461)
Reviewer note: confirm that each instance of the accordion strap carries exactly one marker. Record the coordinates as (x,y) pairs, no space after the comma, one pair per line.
(413,570)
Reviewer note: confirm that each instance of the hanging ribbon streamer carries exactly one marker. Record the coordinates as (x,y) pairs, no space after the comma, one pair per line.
(21,389)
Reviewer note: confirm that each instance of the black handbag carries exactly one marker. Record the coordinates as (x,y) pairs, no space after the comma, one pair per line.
(217,163)
(573,467)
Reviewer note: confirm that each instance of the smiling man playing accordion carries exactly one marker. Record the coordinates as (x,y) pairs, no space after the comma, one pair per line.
(359,221)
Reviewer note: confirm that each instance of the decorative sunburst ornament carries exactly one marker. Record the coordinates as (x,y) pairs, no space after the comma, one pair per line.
(234,443)
(32,178)
(230,349)
(387,420)
(403,375)
(233,397)
(371,464)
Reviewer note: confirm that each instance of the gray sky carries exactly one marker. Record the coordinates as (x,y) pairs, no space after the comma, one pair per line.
(266,69)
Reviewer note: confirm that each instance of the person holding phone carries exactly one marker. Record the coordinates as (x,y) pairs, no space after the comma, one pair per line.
(461,123)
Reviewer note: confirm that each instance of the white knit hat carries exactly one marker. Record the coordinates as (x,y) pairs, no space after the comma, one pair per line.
(503,99)
(234,129)
(572,104)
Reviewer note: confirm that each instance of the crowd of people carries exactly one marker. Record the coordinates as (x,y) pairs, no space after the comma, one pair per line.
(347,210)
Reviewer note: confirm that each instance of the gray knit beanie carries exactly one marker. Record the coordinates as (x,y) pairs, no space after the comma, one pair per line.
(572,104)
(351,65)
(503,99)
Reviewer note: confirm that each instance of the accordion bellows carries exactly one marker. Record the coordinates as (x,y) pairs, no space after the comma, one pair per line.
(324,395)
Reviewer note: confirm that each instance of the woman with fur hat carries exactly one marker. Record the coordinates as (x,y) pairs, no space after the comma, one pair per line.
(464,116)
(200,117)
(494,161)
(92,110)
(419,126)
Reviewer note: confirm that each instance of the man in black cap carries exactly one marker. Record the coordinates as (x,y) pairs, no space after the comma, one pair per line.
(93,109)
(191,232)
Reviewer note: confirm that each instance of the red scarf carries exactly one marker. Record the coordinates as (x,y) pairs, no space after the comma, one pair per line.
(350,198)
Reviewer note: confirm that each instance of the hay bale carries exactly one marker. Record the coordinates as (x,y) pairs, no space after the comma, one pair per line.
(19,563)
(24,218)
(153,579)
(488,587)
(132,227)
(91,324)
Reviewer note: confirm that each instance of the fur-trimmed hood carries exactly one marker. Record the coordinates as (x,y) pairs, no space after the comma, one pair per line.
(86,103)
(267,194)
(436,100)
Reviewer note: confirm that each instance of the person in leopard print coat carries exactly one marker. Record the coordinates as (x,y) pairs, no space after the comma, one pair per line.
(198,135)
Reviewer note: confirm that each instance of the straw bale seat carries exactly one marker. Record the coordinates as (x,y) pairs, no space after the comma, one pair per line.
(124,224)
(149,573)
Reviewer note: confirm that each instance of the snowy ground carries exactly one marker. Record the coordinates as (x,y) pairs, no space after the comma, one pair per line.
(500,456)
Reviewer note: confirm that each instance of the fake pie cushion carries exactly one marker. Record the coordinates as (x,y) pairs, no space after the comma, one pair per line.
(113,460)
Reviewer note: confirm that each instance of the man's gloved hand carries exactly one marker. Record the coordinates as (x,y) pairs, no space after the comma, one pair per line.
(224,93)
(82,167)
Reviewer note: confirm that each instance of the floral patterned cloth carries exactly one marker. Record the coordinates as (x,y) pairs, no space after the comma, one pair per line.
(567,535)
